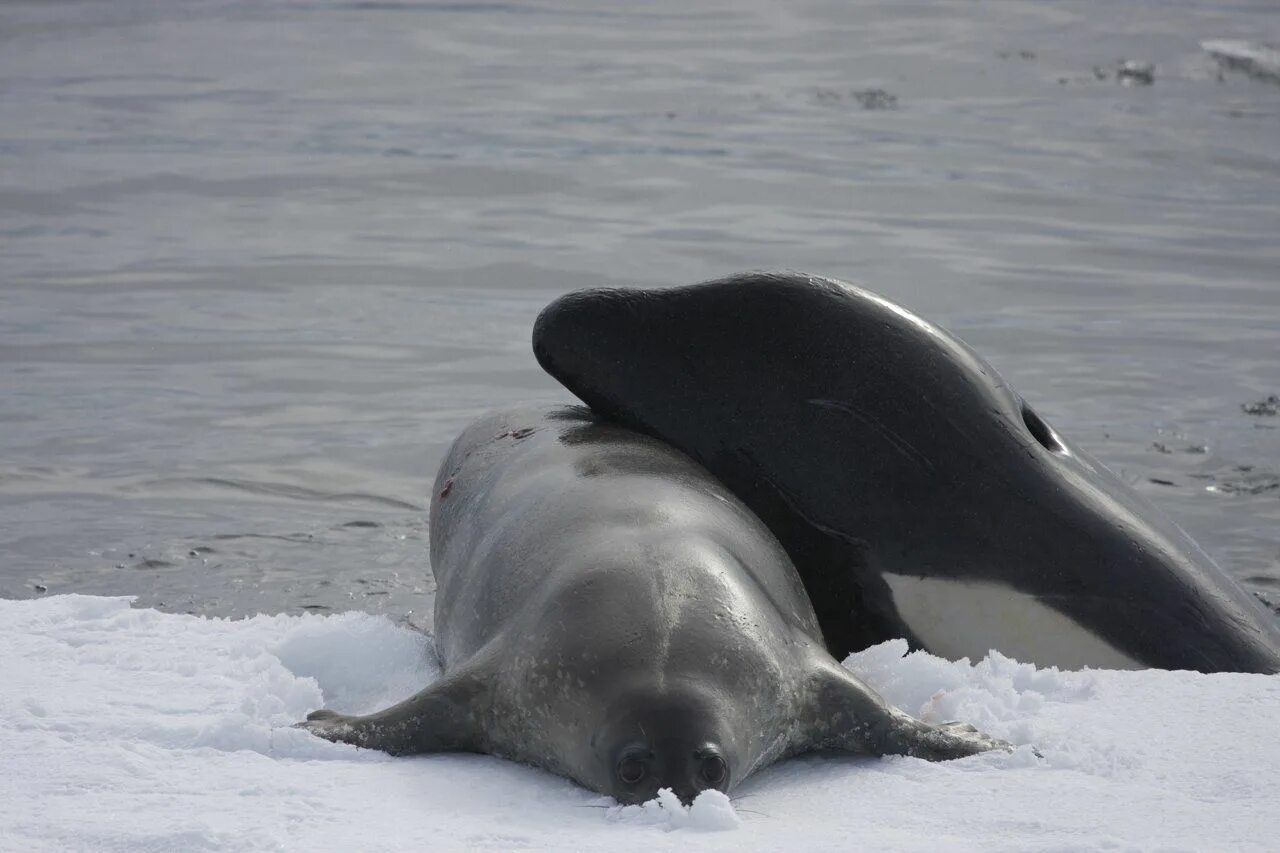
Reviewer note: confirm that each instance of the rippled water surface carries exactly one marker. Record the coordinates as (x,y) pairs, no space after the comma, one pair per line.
(260,262)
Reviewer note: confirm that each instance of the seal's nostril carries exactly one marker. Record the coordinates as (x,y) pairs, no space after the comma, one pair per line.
(632,768)
(713,771)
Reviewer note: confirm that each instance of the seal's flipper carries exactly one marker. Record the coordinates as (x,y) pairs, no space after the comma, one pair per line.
(445,717)
(851,717)
(942,742)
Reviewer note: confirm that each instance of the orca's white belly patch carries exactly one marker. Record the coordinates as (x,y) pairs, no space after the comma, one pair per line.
(969,618)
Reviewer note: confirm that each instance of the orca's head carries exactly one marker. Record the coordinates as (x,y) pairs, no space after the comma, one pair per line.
(877,446)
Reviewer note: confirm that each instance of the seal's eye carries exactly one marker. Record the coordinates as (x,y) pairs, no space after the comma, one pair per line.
(713,770)
(632,768)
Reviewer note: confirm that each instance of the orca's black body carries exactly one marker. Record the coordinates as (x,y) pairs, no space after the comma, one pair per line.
(917,494)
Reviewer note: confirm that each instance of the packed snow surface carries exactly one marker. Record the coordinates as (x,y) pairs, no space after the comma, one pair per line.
(130,729)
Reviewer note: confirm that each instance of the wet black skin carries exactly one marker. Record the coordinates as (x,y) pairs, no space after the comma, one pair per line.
(877,446)
(608,611)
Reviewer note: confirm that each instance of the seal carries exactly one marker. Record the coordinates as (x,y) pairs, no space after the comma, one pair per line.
(917,494)
(608,611)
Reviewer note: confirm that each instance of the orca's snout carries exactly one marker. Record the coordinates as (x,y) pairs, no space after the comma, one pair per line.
(572,326)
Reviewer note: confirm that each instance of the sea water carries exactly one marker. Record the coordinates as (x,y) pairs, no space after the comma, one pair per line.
(261,262)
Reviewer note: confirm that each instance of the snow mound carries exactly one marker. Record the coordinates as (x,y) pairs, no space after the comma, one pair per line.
(188,683)
(711,810)
(998,694)
(129,729)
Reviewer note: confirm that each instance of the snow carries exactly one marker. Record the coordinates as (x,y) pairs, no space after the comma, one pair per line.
(130,729)
(711,810)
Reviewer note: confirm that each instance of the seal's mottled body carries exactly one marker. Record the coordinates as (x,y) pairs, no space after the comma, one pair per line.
(609,611)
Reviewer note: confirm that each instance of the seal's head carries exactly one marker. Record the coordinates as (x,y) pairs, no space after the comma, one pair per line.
(674,740)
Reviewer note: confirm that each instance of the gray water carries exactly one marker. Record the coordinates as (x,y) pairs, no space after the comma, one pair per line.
(260,262)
